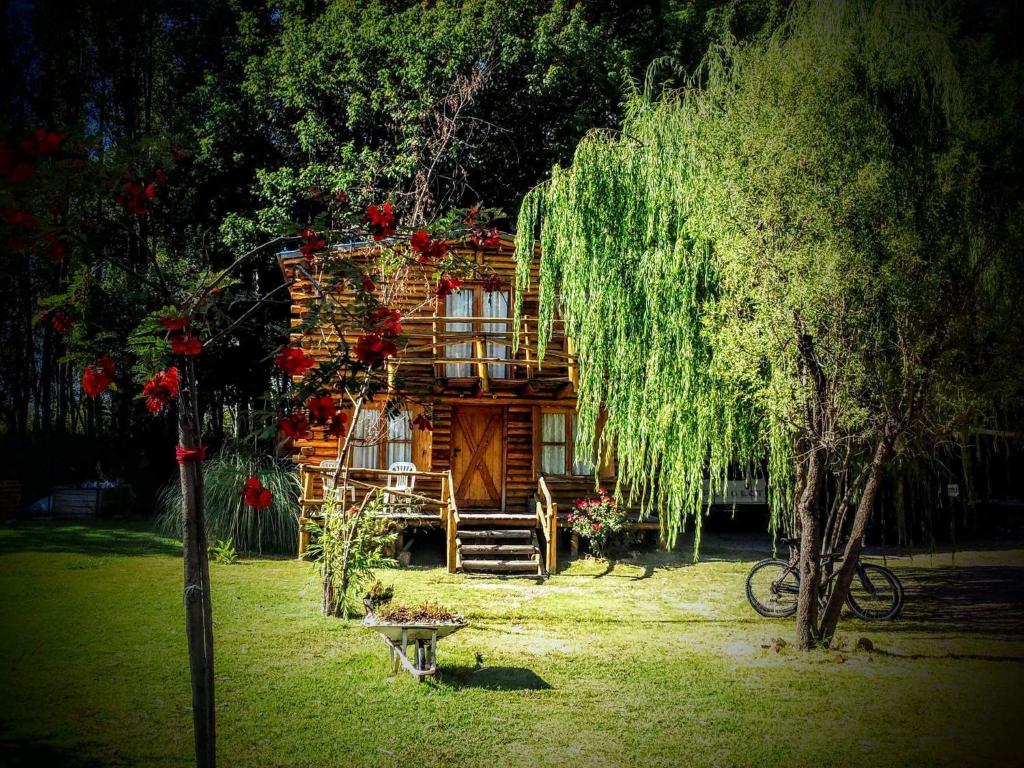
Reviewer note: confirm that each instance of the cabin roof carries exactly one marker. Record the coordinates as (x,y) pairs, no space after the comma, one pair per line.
(289,255)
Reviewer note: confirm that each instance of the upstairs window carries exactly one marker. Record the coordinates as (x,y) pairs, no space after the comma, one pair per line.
(481,309)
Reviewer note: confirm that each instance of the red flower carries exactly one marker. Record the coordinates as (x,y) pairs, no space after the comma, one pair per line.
(489,238)
(373,349)
(61,321)
(293,361)
(133,199)
(55,249)
(150,190)
(420,241)
(597,527)
(493,284)
(160,389)
(422,422)
(447,285)
(97,377)
(46,142)
(19,218)
(160,176)
(336,428)
(381,220)
(313,243)
(20,172)
(321,408)
(185,344)
(368,286)
(296,425)
(255,495)
(471,215)
(386,322)
(174,323)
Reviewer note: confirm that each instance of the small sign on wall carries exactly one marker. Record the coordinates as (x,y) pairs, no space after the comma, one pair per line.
(953,490)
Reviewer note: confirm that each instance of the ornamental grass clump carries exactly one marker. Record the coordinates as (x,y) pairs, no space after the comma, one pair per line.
(599,520)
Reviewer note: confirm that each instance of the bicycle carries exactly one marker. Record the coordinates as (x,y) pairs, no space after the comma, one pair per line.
(773,587)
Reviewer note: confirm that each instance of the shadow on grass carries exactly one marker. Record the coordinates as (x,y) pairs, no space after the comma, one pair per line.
(975,599)
(93,538)
(493,678)
(28,753)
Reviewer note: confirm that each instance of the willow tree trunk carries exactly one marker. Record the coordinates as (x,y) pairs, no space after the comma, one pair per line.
(807,513)
(198,611)
(855,544)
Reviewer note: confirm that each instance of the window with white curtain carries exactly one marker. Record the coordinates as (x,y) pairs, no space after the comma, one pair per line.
(366,434)
(495,304)
(552,443)
(399,438)
(459,304)
(558,447)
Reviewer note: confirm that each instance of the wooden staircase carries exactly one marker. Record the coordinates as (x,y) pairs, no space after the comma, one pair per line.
(491,546)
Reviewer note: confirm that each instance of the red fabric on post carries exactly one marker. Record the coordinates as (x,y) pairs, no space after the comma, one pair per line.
(190,454)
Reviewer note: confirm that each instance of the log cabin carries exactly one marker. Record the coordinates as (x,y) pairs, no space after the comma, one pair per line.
(498,460)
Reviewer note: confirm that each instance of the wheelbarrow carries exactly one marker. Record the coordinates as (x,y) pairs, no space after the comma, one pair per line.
(422,638)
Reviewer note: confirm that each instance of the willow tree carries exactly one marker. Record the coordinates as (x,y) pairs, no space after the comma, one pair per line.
(785,265)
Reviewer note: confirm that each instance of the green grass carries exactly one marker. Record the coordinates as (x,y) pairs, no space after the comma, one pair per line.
(656,663)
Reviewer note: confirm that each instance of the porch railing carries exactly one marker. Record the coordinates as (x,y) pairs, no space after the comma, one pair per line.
(547,518)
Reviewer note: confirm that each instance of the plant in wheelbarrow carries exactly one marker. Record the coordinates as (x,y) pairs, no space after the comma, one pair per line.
(377,595)
(418,628)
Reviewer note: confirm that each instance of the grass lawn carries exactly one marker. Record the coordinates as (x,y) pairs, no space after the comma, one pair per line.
(655,662)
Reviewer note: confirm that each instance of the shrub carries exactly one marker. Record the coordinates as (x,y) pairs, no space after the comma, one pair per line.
(274,529)
(349,546)
(224,552)
(600,521)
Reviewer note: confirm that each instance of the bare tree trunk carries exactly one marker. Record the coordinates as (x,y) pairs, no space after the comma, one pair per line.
(198,611)
(854,545)
(329,603)
(810,544)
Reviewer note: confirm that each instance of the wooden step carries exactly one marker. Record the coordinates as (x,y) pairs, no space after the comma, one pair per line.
(491,518)
(499,549)
(499,565)
(498,533)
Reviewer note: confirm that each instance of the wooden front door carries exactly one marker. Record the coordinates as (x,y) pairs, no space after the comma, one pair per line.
(477,466)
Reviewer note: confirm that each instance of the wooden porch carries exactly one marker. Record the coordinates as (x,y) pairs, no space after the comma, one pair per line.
(476,540)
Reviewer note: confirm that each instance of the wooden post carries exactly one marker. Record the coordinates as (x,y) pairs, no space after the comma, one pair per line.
(451,546)
(303,536)
(574,373)
(553,539)
(480,349)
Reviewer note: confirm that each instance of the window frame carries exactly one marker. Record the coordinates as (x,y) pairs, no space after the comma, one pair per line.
(569,443)
(477,327)
(382,447)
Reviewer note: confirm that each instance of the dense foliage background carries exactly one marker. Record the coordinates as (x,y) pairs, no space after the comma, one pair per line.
(260,115)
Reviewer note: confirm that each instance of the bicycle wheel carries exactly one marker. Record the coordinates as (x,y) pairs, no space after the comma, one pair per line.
(875,593)
(773,588)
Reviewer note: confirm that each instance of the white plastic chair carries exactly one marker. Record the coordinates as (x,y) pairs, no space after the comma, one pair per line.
(399,482)
(330,466)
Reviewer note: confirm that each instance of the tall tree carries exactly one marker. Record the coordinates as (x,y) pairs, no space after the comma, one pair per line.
(803,260)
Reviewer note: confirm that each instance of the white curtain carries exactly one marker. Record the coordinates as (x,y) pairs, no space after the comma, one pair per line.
(496,305)
(552,436)
(366,428)
(399,438)
(459,304)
